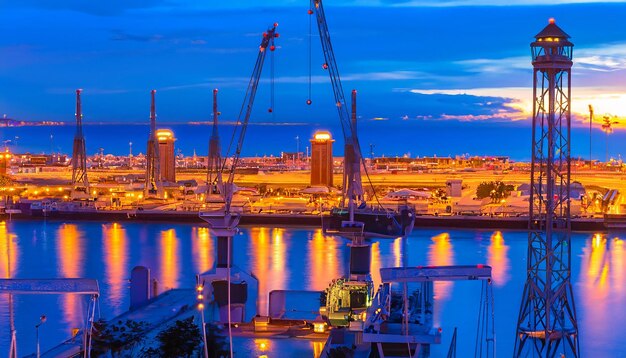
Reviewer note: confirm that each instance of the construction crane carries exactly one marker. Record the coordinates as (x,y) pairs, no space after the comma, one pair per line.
(80,182)
(244,117)
(352,157)
(154,183)
(223,223)
(373,221)
(214,178)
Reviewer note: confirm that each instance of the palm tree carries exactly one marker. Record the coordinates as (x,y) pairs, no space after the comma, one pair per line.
(608,129)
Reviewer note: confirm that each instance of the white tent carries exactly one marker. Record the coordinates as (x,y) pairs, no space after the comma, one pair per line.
(407,193)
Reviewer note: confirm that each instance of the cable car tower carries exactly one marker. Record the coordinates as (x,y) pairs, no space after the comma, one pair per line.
(154,185)
(547,325)
(80,183)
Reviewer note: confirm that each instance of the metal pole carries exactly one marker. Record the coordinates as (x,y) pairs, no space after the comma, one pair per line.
(37,335)
(590,119)
(206,349)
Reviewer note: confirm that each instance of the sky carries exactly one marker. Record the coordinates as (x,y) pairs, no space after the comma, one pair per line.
(457,60)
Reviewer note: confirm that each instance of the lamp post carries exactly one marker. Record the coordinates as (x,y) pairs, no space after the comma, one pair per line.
(298,148)
(590,121)
(42,320)
(200,298)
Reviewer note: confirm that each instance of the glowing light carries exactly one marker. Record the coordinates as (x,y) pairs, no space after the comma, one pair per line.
(319,327)
(262,344)
(322,136)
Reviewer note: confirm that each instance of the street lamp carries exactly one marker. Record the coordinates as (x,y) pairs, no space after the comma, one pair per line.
(298,148)
(42,320)
(200,298)
(590,121)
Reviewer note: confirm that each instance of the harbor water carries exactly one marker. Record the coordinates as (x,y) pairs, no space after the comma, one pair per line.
(299,259)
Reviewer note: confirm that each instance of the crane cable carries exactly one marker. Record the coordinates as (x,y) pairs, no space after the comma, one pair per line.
(272,83)
(310,48)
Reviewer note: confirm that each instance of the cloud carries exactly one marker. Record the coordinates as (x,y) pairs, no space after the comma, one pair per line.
(99,8)
(495,65)
(482,105)
(602,58)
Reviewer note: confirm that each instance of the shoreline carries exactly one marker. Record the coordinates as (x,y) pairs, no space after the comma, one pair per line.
(445,222)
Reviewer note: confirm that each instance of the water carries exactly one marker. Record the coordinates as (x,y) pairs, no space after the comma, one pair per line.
(300,258)
(389,138)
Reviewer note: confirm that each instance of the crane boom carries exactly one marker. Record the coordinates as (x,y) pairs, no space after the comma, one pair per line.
(246,111)
(353,188)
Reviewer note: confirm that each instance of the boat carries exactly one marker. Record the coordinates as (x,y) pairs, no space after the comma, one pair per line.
(377,222)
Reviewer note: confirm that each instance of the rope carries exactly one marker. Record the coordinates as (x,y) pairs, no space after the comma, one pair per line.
(310,46)
(272,82)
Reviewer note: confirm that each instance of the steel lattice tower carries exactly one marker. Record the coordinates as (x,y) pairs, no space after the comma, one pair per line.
(547,325)
(154,185)
(79,157)
(215,165)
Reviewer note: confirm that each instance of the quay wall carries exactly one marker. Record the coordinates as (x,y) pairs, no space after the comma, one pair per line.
(444,222)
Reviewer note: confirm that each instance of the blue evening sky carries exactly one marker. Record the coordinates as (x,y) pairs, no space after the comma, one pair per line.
(460,60)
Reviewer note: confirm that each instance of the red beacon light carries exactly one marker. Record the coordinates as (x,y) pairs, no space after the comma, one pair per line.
(275,24)
(265,34)
(325,66)
(276,34)
(270,110)
(308,101)
(272,48)
(310,12)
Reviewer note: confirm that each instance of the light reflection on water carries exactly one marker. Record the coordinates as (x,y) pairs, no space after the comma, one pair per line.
(70,251)
(115,252)
(301,259)
(498,259)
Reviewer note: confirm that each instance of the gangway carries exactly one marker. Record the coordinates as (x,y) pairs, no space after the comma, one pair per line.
(404,326)
(75,286)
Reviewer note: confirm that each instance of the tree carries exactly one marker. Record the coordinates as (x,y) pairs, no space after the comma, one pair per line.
(116,336)
(216,343)
(496,190)
(181,339)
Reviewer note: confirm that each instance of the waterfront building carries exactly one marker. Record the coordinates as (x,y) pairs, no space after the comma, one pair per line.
(167,157)
(322,159)
(5,162)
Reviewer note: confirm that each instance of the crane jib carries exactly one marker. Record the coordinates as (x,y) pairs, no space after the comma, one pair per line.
(246,111)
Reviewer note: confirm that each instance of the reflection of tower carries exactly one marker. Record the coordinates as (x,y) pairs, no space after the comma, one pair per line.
(153,185)
(214,167)
(165,138)
(322,159)
(547,324)
(79,158)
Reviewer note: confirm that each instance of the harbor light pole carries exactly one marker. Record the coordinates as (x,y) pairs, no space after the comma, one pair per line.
(42,320)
